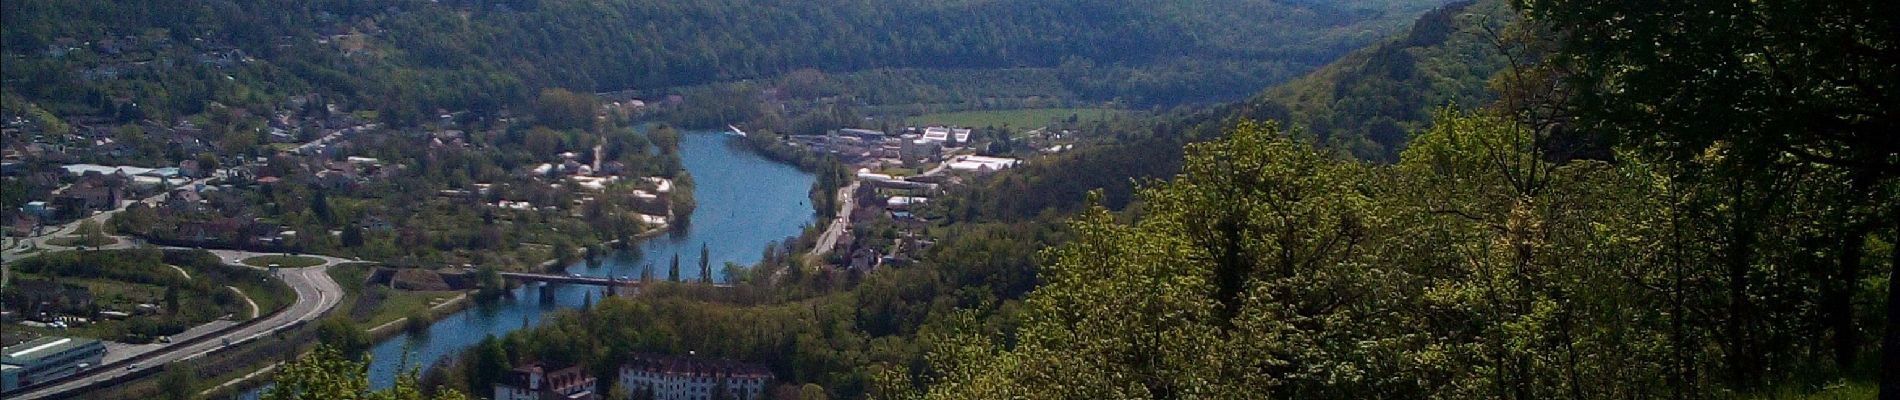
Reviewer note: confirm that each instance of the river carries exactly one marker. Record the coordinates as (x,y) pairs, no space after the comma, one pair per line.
(745,201)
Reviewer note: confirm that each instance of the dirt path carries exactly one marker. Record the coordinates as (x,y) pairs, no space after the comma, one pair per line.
(247,299)
(181,271)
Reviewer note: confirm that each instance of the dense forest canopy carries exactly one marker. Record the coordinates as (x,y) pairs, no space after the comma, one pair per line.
(409,57)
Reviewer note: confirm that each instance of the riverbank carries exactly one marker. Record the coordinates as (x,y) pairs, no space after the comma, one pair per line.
(642,237)
(253,377)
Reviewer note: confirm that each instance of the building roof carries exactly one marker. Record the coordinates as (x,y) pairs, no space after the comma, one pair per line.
(693,366)
(166,172)
(34,350)
(82,169)
(936,134)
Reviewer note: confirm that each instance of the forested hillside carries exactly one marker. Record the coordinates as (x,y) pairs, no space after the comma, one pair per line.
(1368,102)
(1740,243)
(407,58)
(1367,105)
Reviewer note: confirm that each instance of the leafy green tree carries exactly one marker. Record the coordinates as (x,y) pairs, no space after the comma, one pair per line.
(137,218)
(92,234)
(1774,87)
(489,364)
(344,336)
(1228,288)
(326,374)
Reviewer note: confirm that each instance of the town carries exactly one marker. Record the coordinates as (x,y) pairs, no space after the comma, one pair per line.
(320,187)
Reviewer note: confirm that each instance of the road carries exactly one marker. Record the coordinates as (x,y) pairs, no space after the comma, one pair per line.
(316,295)
(236,257)
(829,239)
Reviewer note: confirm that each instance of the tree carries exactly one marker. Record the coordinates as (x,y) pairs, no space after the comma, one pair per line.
(543,142)
(208,163)
(1774,87)
(673,272)
(615,391)
(137,218)
(1268,269)
(343,335)
(320,207)
(705,264)
(1255,240)
(327,375)
(489,364)
(666,138)
(178,382)
(171,298)
(352,236)
(811,391)
(563,109)
(91,234)
(563,255)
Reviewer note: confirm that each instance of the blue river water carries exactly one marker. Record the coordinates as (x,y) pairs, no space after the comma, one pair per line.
(745,201)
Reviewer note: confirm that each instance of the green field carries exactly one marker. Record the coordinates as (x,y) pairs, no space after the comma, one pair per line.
(283,261)
(1014,119)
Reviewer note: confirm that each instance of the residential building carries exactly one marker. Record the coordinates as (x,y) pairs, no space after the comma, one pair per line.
(533,382)
(91,193)
(48,358)
(689,378)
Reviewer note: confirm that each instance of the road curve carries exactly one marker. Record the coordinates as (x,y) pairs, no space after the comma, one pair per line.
(316,295)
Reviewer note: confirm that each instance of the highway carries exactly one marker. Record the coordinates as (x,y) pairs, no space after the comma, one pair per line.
(316,294)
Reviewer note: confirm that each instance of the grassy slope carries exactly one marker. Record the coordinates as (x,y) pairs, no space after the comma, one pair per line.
(385,304)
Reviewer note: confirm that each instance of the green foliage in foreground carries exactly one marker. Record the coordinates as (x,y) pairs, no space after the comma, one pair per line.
(1472,269)
(325,374)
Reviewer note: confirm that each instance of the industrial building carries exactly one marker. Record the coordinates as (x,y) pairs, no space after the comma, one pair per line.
(46,359)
